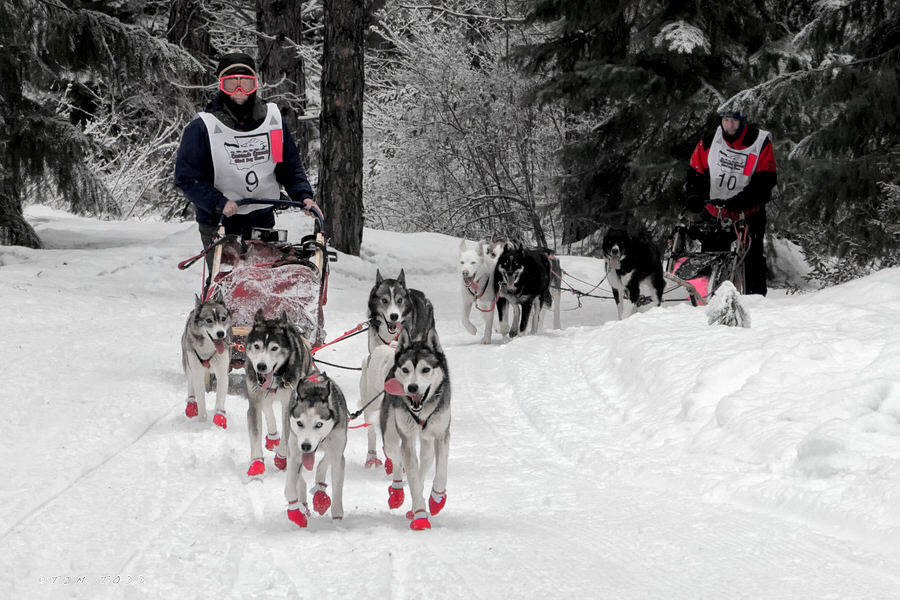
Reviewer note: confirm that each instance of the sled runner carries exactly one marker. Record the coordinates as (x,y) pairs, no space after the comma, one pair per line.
(700,272)
(266,272)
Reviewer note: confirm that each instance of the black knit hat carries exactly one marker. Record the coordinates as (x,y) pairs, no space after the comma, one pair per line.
(236,63)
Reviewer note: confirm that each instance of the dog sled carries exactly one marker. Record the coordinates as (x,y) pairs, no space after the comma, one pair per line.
(266,272)
(699,272)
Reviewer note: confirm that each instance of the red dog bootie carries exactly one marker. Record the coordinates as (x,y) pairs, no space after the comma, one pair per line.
(321,501)
(436,502)
(257,467)
(298,513)
(388,465)
(190,410)
(372,460)
(220,419)
(395,494)
(272,442)
(420,522)
(280,462)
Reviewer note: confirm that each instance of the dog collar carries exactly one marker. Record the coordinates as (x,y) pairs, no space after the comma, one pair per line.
(204,361)
(393,339)
(475,291)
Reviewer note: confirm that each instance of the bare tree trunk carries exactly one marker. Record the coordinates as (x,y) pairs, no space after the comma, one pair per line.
(340,178)
(189,29)
(14,229)
(281,24)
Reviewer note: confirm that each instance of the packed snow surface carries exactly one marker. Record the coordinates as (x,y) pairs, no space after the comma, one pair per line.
(657,457)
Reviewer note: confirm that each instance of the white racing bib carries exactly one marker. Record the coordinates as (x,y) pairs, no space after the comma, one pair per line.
(729,169)
(244,161)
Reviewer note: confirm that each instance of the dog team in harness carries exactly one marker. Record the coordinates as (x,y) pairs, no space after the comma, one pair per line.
(234,160)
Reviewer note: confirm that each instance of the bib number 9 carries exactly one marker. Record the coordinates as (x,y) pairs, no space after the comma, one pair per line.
(252,181)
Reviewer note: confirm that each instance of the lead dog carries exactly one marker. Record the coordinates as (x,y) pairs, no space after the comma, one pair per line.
(318,423)
(392,308)
(206,349)
(476,270)
(277,359)
(634,268)
(415,424)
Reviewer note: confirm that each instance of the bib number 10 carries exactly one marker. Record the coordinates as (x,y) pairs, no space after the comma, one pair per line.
(252,181)
(730,184)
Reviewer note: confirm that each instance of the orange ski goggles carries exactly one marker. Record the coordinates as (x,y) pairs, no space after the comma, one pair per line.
(232,84)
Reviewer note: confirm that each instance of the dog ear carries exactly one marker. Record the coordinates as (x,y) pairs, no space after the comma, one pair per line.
(402,277)
(283,319)
(479,247)
(259,318)
(378,277)
(197,301)
(462,245)
(219,298)
(433,342)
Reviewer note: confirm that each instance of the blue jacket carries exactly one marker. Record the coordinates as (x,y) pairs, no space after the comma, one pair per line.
(194,174)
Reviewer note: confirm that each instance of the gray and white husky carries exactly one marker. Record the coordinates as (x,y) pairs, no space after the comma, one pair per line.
(415,424)
(392,308)
(318,423)
(205,349)
(476,270)
(277,359)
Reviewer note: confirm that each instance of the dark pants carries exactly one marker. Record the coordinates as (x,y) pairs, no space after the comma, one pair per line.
(755,262)
(238,225)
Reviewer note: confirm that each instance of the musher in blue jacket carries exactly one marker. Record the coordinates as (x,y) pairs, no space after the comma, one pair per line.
(236,149)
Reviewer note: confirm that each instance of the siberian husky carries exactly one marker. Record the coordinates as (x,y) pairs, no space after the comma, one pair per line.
(634,268)
(318,423)
(277,359)
(415,424)
(205,349)
(476,270)
(523,278)
(392,308)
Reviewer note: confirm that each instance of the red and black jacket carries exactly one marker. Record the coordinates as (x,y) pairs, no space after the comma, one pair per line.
(749,200)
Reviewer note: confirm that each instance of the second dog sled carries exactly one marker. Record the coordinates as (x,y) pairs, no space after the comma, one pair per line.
(702,254)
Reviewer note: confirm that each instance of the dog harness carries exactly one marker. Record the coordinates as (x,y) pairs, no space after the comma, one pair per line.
(244,161)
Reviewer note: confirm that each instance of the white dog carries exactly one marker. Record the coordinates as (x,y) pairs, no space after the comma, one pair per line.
(476,269)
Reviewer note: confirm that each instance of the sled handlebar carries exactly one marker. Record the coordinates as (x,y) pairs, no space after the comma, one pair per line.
(320,218)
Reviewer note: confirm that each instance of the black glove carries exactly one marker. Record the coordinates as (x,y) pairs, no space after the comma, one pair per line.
(284,198)
(738,203)
(695,203)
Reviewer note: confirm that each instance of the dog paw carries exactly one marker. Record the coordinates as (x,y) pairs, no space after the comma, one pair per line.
(220,419)
(272,442)
(372,460)
(321,501)
(436,502)
(257,467)
(388,466)
(190,410)
(395,496)
(298,513)
(420,523)
(280,462)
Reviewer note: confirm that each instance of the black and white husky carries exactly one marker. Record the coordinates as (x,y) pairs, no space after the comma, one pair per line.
(476,270)
(277,359)
(524,280)
(206,349)
(415,424)
(634,268)
(392,308)
(318,424)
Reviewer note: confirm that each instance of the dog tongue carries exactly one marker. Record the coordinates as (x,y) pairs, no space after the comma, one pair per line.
(614,263)
(220,346)
(309,459)
(267,382)
(394,387)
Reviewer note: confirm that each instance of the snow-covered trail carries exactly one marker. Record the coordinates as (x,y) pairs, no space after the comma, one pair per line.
(653,458)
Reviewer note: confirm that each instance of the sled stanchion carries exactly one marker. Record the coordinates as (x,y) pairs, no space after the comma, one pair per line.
(217,259)
(691,290)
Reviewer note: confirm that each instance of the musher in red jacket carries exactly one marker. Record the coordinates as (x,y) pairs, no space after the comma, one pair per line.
(735,166)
